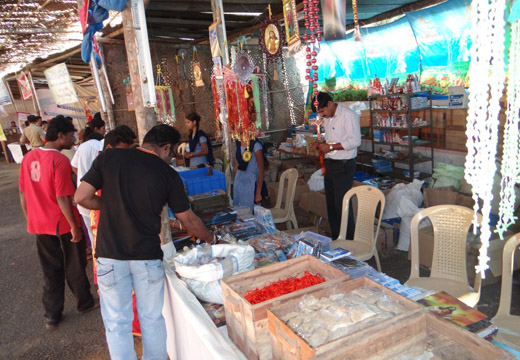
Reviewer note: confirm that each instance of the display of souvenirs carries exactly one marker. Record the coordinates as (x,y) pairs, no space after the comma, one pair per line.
(282,287)
(240,230)
(411,85)
(325,319)
(396,121)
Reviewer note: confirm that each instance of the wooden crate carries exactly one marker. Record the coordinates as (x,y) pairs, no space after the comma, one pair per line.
(247,324)
(456,140)
(287,344)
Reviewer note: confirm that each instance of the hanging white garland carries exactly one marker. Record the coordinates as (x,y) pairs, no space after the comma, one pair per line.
(511,150)
(288,92)
(486,74)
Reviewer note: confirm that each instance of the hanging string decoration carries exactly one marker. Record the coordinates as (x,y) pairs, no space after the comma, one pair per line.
(288,92)
(242,111)
(216,107)
(165,109)
(357,32)
(486,74)
(312,37)
(265,90)
(511,154)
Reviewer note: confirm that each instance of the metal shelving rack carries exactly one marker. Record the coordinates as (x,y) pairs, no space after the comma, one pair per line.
(411,162)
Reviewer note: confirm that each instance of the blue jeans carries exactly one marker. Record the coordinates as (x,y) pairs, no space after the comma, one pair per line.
(116,278)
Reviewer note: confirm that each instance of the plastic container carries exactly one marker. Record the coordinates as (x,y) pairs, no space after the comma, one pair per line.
(198,181)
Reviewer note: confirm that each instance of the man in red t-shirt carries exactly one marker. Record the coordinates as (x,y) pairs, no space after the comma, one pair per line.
(46,191)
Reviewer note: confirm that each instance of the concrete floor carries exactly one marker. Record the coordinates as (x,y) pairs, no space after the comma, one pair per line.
(22,331)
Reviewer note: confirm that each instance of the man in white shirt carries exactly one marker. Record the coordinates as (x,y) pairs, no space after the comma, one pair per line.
(81,163)
(343,137)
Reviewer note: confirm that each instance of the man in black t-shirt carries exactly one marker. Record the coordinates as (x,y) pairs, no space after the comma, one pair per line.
(136,184)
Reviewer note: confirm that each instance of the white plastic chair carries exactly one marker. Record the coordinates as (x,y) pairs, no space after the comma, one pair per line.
(286,214)
(451,224)
(363,246)
(508,325)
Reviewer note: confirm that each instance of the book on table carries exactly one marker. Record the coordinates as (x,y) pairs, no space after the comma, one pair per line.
(452,309)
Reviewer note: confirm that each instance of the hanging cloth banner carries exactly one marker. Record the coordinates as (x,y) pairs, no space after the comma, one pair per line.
(60,84)
(334,19)
(25,86)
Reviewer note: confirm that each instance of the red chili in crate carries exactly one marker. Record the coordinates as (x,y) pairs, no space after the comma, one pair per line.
(282,287)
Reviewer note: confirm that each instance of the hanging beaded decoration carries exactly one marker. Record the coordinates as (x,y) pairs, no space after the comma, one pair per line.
(357,33)
(164,109)
(312,37)
(511,151)
(486,74)
(288,92)
(265,90)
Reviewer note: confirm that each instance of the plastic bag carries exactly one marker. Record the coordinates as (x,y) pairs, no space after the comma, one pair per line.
(201,269)
(317,181)
(447,175)
(395,199)
(358,106)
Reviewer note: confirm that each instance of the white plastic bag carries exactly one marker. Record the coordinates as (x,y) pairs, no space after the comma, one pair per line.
(403,201)
(317,181)
(204,280)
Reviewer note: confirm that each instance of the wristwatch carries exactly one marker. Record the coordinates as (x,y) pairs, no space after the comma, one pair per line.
(331,147)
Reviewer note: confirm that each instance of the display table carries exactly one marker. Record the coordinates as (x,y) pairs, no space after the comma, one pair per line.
(191,334)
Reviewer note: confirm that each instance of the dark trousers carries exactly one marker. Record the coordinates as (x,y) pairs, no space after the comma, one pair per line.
(338,180)
(62,260)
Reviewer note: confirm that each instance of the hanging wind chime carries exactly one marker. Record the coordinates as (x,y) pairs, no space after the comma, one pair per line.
(486,74)
(511,150)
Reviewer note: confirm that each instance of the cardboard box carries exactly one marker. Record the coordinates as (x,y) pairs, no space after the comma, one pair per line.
(456,140)
(457,97)
(456,119)
(446,196)
(364,119)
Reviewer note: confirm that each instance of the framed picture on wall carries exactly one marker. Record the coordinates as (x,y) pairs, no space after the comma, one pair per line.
(290,15)
(271,39)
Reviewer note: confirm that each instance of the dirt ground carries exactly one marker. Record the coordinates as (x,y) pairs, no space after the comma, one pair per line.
(22,331)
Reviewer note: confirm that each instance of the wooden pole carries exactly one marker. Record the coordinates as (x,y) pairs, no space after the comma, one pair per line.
(145,116)
(36,101)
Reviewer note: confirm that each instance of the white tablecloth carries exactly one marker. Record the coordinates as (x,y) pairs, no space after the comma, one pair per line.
(191,334)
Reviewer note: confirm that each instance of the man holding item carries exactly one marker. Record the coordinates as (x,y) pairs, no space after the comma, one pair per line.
(343,137)
(136,184)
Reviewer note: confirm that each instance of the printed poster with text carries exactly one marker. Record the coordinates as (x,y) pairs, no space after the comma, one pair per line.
(60,84)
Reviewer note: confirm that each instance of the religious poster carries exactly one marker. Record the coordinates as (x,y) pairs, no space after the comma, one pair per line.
(334,19)
(24,85)
(271,39)
(292,30)
(4,94)
(60,84)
